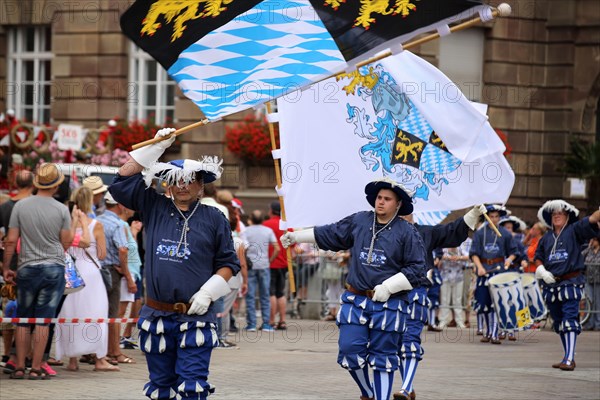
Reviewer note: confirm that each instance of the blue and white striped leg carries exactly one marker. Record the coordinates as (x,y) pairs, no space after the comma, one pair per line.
(494,324)
(409,367)
(488,325)
(563,340)
(480,319)
(383,384)
(361,377)
(570,340)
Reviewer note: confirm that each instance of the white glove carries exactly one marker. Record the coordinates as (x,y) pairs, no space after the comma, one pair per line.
(545,275)
(430,275)
(148,155)
(473,215)
(214,288)
(303,236)
(391,285)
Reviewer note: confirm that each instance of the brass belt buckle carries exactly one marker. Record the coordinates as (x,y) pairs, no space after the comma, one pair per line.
(180,308)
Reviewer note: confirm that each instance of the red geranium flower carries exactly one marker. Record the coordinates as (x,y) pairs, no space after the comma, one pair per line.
(249,139)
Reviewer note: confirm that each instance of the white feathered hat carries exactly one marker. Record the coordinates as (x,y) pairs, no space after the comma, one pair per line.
(518,223)
(176,171)
(545,211)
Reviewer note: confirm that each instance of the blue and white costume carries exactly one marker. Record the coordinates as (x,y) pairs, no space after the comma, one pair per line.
(184,249)
(411,352)
(492,252)
(561,255)
(370,330)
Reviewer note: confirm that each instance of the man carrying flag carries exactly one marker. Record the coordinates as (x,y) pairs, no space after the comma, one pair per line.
(387,260)
(189,259)
(376,124)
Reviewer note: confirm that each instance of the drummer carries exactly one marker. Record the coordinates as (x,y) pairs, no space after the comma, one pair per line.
(516,226)
(491,255)
(560,265)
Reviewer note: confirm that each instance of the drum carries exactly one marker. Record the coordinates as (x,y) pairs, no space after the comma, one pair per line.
(509,302)
(533,297)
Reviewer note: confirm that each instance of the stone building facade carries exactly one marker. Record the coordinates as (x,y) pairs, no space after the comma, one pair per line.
(540,76)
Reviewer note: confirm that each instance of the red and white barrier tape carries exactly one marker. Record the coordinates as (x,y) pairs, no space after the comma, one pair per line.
(67,320)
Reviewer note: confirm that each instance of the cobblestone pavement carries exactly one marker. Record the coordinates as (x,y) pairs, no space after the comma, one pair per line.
(300,363)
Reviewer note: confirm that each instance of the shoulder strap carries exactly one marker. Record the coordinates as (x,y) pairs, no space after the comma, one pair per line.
(92,258)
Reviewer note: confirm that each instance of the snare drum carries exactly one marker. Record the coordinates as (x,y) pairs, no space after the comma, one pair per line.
(533,297)
(509,301)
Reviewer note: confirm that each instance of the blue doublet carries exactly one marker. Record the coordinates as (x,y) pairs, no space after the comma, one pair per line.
(173,278)
(398,248)
(487,246)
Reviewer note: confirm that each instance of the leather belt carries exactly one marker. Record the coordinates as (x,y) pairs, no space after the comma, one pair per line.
(492,261)
(368,293)
(180,308)
(569,275)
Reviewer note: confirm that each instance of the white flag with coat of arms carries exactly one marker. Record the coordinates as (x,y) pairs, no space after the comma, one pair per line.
(399,118)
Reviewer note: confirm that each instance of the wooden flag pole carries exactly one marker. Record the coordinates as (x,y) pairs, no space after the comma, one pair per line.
(176,133)
(503,10)
(496,231)
(288,251)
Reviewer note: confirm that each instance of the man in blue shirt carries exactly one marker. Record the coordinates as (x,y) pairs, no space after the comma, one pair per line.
(560,265)
(189,259)
(387,260)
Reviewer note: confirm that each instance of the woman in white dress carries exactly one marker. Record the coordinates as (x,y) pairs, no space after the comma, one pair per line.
(75,340)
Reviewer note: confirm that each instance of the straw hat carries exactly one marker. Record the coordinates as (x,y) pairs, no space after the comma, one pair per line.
(48,176)
(95,184)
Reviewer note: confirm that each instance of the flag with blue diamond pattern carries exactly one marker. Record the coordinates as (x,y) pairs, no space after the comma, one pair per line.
(230,55)
(234,57)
